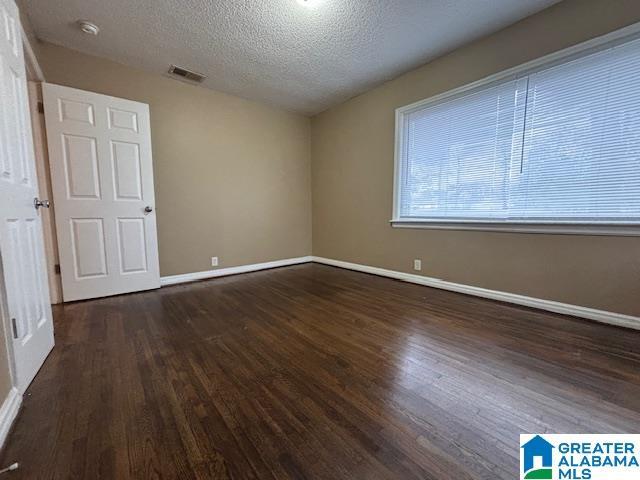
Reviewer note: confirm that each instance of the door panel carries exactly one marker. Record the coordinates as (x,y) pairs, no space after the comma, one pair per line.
(69,110)
(131,239)
(126,171)
(102,178)
(81,166)
(11,30)
(123,120)
(21,240)
(89,254)
(14,277)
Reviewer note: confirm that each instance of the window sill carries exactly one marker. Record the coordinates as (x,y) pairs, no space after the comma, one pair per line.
(611,229)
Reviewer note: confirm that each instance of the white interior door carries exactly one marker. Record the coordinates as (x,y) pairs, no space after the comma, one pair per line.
(102,179)
(23,271)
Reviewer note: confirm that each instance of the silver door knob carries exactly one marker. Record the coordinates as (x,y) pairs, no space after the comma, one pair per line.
(148,209)
(37,203)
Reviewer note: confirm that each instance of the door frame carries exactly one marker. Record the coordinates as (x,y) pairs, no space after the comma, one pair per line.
(34,73)
(43,173)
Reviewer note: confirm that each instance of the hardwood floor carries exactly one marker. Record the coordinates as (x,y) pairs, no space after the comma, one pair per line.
(315,372)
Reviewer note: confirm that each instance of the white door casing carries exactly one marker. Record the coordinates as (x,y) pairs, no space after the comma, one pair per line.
(43,173)
(24,275)
(102,179)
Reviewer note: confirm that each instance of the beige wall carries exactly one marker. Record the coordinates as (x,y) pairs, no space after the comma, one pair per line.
(210,148)
(352,177)
(232,177)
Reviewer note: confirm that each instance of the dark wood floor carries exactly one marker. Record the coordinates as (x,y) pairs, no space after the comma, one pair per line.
(315,372)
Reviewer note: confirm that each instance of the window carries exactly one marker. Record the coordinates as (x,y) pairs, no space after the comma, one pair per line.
(557,144)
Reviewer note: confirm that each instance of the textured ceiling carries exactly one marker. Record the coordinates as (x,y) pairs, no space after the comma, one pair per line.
(302,58)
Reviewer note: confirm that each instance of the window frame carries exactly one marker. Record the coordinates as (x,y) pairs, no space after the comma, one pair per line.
(615,228)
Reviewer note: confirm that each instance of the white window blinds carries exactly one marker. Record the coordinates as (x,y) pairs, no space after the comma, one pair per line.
(558,145)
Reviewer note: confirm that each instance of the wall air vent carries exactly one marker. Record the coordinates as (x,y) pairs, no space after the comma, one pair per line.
(185,74)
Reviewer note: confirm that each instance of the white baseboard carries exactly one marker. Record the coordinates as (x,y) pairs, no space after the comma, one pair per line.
(221,272)
(8,412)
(603,316)
(549,305)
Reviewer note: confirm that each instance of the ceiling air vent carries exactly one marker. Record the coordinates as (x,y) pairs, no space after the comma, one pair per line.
(186,74)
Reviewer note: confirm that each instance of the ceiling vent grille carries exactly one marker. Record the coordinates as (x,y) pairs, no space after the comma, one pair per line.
(186,74)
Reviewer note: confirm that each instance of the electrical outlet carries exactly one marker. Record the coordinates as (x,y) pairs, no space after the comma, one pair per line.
(214,261)
(417,264)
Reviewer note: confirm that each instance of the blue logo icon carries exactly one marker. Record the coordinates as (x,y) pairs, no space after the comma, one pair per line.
(537,447)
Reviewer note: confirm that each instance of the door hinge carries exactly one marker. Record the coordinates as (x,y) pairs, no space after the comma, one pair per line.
(56,269)
(40,107)
(14,327)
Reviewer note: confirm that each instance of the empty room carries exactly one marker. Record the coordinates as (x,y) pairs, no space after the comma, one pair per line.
(320,239)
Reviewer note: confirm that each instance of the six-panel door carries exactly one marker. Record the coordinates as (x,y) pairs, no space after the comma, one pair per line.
(102,178)
(24,291)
